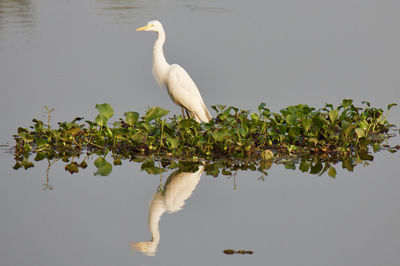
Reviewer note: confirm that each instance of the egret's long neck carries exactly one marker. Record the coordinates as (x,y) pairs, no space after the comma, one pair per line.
(156,210)
(160,65)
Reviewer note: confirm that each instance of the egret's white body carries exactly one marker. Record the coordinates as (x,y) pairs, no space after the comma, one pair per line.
(180,86)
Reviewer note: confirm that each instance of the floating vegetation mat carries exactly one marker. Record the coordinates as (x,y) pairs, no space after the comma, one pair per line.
(299,137)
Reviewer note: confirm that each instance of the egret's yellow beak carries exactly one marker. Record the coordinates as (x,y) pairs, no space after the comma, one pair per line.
(144,27)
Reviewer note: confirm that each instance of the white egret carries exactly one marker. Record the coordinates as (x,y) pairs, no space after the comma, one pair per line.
(181,88)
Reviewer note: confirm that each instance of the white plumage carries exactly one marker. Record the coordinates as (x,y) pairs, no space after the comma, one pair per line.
(180,86)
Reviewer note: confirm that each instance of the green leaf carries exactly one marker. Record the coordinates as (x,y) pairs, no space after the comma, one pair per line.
(365,156)
(17,166)
(105,110)
(147,163)
(318,122)
(218,108)
(376,147)
(149,167)
(316,168)
(173,165)
(20,130)
(326,168)
(72,168)
(262,107)
(220,134)
(154,170)
(27,164)
(171,142)
(83,165)
(304,166)
(348,164)
(75,119)
(267,155)
(391,105)
(226,172)
(40,156)
(313,140)
(265,165)
(254,116)
(40,142)
(38,124)
(138,138)
(186,123)
(290,166)
(25,134)
(363,125)
(131,117)
(294,132)
(242,131)
(104,168)
(333,115)
(347,102)
(154,113)
(108,130)
(332,172)
(367,103)
(360,133)
(188,167)
(291,119)
(307,123)
(105,113)
(212,169)
(101,120)
(348,129)
(27,137)
(117,161)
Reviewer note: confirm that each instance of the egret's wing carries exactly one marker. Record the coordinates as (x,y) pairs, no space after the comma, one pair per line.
(185,93)
(181,85)
(179,187)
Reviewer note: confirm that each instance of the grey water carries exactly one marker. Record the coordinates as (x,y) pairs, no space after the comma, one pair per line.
(71,55)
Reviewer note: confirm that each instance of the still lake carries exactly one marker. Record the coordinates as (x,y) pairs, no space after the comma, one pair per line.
(72,55)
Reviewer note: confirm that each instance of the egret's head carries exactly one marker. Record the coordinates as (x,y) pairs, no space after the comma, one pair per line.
(153,25)
(149,248)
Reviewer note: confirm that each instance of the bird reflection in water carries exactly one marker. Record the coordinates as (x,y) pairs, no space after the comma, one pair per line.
(178,188)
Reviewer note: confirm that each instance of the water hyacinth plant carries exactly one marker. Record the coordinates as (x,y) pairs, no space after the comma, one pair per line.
(314,139)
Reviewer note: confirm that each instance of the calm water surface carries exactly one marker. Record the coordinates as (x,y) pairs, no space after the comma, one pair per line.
(70,55)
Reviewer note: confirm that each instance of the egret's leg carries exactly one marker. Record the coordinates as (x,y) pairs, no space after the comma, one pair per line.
(187,112)
(183,113)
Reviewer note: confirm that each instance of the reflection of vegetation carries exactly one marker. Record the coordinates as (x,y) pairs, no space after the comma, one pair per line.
(119,4)
(121,11)
(234,140)
(15,12)
(231,251)
(47,185)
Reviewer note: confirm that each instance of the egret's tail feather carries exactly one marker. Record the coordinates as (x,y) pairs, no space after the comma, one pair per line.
(208,115)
